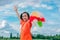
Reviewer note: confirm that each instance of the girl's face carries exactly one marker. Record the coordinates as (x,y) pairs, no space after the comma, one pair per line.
(25,17)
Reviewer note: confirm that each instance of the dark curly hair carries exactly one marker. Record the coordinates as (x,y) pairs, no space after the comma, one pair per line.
(26,13)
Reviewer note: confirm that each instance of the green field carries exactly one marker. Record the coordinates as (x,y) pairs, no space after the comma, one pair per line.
(18,39)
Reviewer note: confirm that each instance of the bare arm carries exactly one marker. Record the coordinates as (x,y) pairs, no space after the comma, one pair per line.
(16,10)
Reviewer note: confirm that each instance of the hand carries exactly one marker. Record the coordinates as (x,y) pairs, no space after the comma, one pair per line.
(15,8)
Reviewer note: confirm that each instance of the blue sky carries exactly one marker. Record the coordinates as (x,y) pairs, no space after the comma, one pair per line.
(49,8)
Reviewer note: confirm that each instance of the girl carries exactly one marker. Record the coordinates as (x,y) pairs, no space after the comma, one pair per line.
(26,22)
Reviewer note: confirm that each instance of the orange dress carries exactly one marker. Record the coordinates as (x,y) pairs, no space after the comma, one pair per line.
(26,27)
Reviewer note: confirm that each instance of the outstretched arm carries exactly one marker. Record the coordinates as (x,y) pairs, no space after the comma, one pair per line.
(16,10)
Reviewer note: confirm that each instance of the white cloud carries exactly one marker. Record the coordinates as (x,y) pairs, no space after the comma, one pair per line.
(22,5)
(8,13)
(7,6)
(15,27)
(58,30)
(25,4)
(2,8)
(56,15)
(37,5)
(46,6)
(33,4)
(50,7)
(2,23)
(51,22)
(59,9)
(6,31)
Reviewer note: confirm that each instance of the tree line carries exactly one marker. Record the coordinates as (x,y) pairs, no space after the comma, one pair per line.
(55,37)
(38,36)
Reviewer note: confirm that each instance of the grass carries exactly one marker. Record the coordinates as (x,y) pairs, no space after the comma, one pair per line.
(18,39)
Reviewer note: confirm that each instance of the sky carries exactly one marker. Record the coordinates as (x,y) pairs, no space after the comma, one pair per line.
(49,8)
